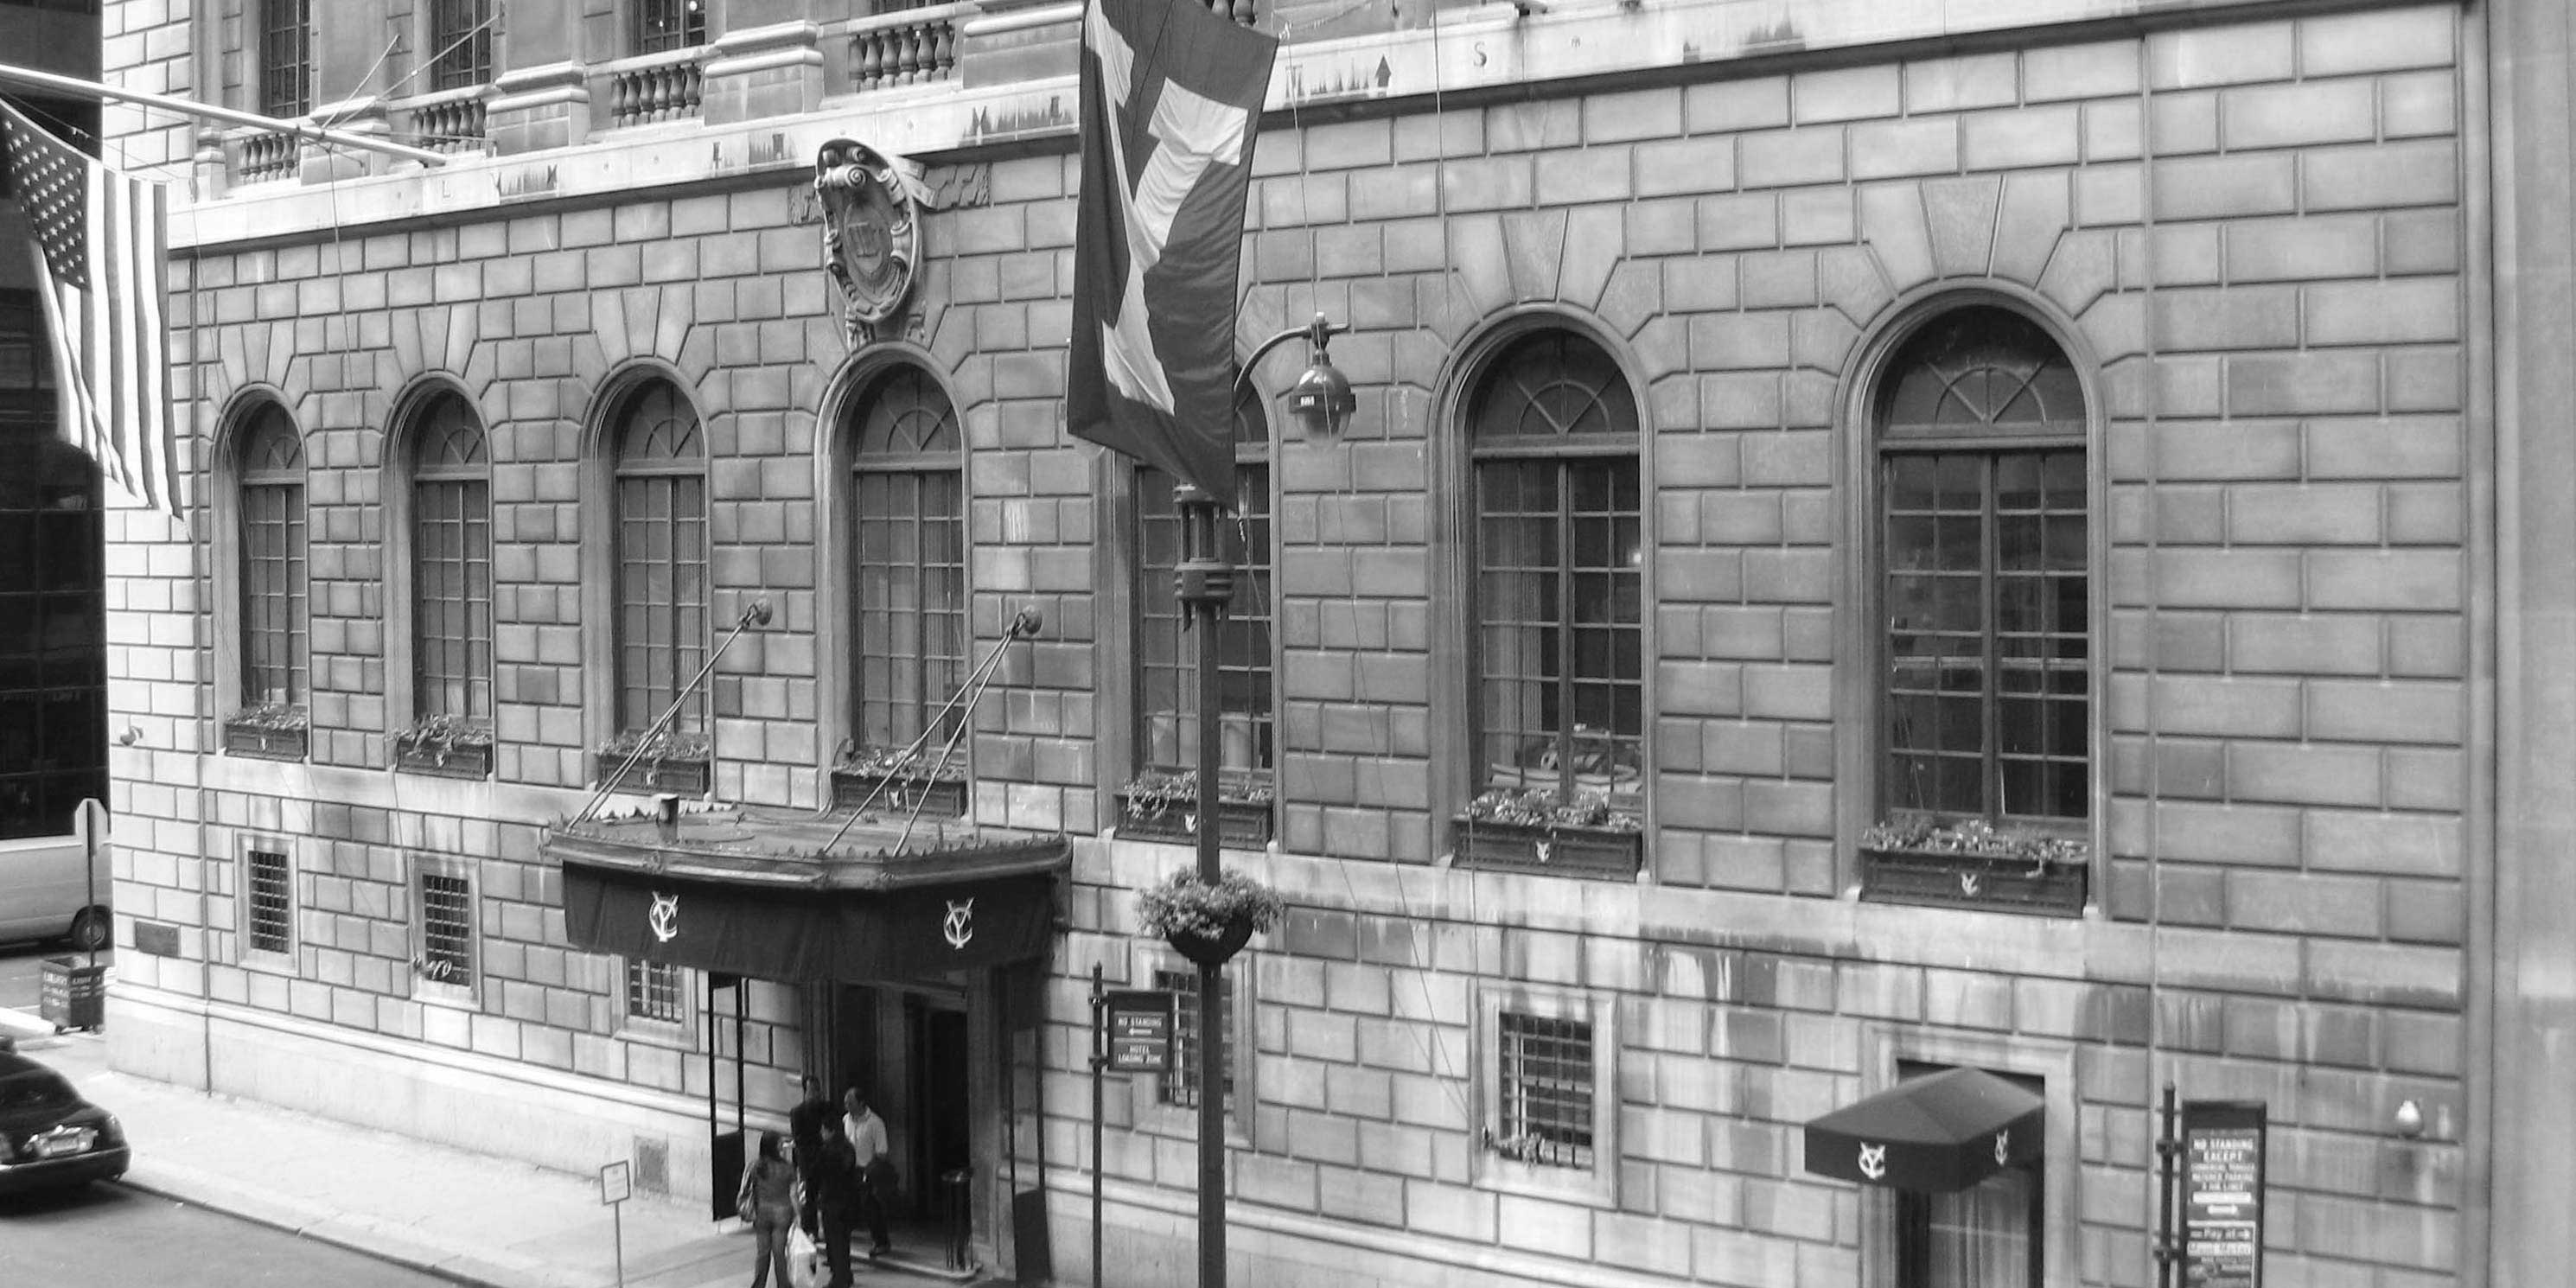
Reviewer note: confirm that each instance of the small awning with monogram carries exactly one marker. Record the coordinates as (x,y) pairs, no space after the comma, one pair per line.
(1938,1133)
(790,897)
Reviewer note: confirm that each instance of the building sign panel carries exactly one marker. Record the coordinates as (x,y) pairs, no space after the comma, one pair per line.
(1140,1030)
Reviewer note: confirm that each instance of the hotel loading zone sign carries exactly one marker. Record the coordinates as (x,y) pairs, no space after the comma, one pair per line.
(1140,1030)
(2222,1193)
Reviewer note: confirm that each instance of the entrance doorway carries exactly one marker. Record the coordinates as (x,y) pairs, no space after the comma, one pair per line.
(908,1047)
(941,1102)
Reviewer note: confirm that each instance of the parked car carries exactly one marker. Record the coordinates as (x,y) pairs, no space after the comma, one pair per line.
(44,894)
(49,1136)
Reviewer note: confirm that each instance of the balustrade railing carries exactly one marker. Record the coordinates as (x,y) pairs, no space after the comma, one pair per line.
(450,122)
(657,87)
(262,157)
(905,48)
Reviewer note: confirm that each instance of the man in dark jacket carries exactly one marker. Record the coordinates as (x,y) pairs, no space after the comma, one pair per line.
(835,1198)
(805,1127)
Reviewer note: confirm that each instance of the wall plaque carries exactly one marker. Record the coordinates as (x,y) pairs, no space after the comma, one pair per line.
(871,233)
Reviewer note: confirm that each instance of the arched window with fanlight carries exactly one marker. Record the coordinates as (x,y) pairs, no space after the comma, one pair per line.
(1556,568)
(908,535)
(271,534)
(660,591)
(1983,564)
(451,575)
(1166,669)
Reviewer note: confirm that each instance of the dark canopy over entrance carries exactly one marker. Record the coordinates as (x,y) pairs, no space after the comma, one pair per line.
(799,934)
(1939,1133)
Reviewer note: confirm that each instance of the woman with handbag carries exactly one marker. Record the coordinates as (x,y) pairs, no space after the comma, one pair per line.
(768,1197)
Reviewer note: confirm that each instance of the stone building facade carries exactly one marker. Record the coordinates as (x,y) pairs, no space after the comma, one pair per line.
(1788,425)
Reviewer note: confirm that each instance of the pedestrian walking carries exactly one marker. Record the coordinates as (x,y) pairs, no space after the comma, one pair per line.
(867,1134)
(805,1129)
(836,1198)
(768,1197)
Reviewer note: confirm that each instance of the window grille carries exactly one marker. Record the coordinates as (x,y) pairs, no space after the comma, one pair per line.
(1559,572)
(653,992)
(272,902)
(661,561)
(662,25)
(1545,1089)
(272,561)
(285,57)
(911,561)
(460,43)
(1167,727)
(451,565)
(1179,1085)
(447,929)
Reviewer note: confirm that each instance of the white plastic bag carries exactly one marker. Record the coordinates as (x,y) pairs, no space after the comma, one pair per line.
(804,1259)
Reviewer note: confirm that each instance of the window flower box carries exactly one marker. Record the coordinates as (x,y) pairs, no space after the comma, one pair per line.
(679,763)
(1512,830)
(445,746)
(1157,806)
(271,731)
(892,780)
(1970,865)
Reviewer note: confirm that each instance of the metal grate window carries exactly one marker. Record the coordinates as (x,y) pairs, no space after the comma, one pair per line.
(272,561)
(662,25)
(1559,573)
(911,562)
(661,561)
(451,565)
(1545,1090)
(1984,550)
(272,902)
(285,57)
(460,41)
(1179,1085)
(447,929)
(653,992)
(1167,654)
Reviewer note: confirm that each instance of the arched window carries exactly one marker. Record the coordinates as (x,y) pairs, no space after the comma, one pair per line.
(660,502)
(909,494)
(1167,688)
(1558,565)
(270,469)
(1983,559)
(451,536)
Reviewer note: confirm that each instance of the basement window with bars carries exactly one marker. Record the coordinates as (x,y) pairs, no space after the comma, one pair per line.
(269,888)
(445,961)
(654,993)
(1549,1122)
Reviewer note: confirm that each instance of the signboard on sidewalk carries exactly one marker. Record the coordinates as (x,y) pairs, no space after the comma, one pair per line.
(2223,1193)
(1140,1030)
(615,1183)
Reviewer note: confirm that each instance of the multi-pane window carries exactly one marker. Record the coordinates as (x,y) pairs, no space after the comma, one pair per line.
(53,651)
(285,57)
(661,595)
(446,929)
(270,882)
(669,24)
(1990,1235)
(451,514)
(1559,566)
(273,655)
(1984,562)
(653,992)
(1544,1090)
(1179,1085)
(910,531)
(24,365)
(1167,726)
(460,41)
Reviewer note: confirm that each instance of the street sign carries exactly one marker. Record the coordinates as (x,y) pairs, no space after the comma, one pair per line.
(614,1183)
(1140,1030)
(2222,1193)
(89,824)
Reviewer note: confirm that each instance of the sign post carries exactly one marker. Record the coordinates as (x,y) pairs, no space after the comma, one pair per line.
(1131,1032)
(2222,1161)
(89,822)
(615,1184)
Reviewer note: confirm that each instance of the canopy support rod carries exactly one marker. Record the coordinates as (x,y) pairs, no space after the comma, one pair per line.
(29,76)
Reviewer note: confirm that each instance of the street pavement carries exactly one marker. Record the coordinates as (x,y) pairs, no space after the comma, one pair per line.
(466,1217)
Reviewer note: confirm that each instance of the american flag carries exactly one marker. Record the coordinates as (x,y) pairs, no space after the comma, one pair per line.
(101,246)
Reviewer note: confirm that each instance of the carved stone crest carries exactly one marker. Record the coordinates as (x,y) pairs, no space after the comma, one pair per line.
(871,233)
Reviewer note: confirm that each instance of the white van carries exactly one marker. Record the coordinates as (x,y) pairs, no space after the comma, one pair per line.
(44,895)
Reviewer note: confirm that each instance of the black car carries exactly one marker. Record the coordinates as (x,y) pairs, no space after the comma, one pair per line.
(49,1136)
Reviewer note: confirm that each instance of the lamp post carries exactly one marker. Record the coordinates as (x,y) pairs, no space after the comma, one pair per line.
(1320,404)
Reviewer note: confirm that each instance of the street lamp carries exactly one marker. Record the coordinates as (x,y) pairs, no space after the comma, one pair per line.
(1320,403)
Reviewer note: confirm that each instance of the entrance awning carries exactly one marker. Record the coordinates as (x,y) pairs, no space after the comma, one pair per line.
(784,895)
(1942,1132)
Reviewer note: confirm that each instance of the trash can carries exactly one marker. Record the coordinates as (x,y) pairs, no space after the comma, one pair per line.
(955,1210)
(70,995)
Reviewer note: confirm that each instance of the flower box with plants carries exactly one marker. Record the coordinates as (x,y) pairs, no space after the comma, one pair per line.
(1208,923)
(1160,806)
(1543,830)
(270,731)
(671,762)
(895,779)
(1972,865)
(446,745)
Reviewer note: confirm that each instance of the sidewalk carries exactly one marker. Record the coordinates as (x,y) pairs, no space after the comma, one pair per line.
(471,1218)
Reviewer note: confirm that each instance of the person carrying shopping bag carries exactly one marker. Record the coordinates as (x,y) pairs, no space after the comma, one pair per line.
(768,1199)
(836,1198)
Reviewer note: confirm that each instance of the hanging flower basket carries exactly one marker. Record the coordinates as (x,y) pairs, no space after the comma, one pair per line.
(445,745)
(1208,923)
(1971,865)
(1518,830)
(885,778)
(269,731)
(1156,806)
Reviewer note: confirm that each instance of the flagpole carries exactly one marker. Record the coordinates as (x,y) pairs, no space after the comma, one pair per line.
(12,74)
